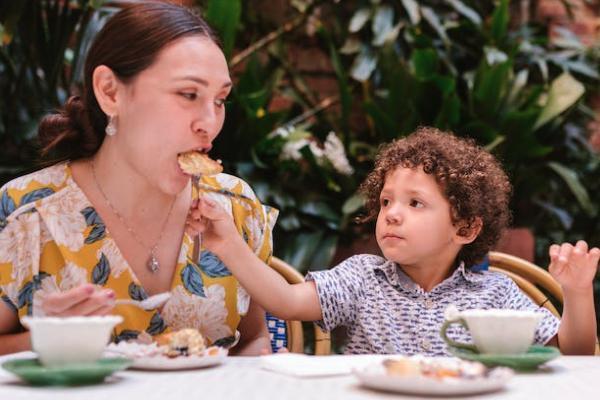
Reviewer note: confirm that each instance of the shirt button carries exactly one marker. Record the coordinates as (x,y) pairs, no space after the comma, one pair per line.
(389,348)
(426,344)
(429,304)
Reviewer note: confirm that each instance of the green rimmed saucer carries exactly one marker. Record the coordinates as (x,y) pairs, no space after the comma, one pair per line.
(535,356)
(31,371)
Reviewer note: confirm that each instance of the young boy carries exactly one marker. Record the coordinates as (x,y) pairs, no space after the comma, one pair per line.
(441,203)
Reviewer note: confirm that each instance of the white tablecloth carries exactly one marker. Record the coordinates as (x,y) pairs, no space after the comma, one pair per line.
(242,378)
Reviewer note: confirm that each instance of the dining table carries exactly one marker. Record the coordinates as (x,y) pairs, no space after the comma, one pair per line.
(566,377)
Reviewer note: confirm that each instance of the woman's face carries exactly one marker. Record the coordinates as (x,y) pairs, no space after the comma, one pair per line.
(175,105)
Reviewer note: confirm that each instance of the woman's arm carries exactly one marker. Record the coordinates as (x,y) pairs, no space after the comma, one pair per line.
(254,339)
(575,268)
(81,300)
(269,289)
(12,339)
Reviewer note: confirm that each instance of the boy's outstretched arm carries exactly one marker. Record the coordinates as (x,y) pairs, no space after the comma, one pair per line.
(574,267)
(265,286)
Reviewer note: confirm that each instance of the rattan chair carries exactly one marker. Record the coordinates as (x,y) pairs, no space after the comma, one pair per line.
(534,281)
(293,329)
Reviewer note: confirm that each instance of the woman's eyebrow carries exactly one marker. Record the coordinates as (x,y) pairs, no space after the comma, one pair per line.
(201,81)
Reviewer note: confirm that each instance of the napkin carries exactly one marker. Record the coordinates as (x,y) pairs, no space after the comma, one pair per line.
(302,365)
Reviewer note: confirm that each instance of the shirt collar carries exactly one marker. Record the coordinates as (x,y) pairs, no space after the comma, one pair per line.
(396,276)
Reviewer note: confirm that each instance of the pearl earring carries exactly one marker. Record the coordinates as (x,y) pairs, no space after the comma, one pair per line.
(111,129)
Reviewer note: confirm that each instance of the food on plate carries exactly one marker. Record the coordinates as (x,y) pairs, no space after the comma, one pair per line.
(185,342)
(436,368)
(196,163)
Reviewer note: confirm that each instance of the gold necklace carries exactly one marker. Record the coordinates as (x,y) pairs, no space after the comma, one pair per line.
(152,264)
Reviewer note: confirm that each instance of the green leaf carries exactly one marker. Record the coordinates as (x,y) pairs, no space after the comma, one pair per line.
(363,65)
(432,17)
(413,10)
(353,204)
(300,248)
(324,252)
(424,63)
(579,191)
(494,56)
(359,19)
(564,92)
(224,16)
(449,114)
(319,209)
(383,24)
(96,4)
(490,87)
(383,121)
(500,20)
(465,10)
(518,84)
(494,143)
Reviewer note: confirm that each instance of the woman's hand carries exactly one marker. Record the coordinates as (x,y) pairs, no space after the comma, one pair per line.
(87,299)
(219,233)
(574,267)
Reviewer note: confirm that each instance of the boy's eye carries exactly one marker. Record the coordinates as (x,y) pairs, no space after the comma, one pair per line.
(416,204)
(385,202)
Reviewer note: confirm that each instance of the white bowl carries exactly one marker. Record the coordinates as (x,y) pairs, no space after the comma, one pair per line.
(59,340)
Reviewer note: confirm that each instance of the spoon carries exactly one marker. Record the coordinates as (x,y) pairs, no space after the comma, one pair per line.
(149,303)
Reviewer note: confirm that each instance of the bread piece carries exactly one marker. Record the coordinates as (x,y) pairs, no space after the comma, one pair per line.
(196,163)
(183,342)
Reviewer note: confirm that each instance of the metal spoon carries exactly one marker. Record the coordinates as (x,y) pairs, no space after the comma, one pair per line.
(150,303)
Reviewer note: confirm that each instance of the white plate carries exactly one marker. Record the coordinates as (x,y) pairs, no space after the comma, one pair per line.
(376,377)
(149,357)
(189,362)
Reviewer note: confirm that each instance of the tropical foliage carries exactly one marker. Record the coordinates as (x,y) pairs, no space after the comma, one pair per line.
(387,66)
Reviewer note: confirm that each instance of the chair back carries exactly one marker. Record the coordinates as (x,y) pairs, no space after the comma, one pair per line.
(534,281)
(293,334)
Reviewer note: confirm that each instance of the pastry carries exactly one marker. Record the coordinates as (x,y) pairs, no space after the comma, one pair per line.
(196,163)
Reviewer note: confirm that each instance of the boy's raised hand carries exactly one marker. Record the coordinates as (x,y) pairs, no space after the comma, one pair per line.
(574,267)
(214,224)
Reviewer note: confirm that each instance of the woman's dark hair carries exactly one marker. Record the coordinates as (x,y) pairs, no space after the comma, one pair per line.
(128,44)
(471,179)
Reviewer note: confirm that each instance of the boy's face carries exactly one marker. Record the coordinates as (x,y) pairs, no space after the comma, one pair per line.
(414,226)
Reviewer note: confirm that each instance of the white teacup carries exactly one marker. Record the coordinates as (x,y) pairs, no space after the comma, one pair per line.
(494,331)
(63,340)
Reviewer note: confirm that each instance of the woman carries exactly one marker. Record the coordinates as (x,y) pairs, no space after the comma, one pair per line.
(108,221)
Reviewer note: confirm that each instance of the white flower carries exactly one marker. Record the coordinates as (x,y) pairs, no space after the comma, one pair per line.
(71,276)
(255,228)
(113,255)
(65,223)
(47,286)
(234,185)
(335,153)
(283,131)
(54,175)
(243,300)
(20,246)
(182,259)
(291,150)
(208,315)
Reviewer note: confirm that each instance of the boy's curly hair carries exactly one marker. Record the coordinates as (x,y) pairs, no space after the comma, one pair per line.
(471,179)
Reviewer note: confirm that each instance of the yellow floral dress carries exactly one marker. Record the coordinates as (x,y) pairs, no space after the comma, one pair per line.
(52,239)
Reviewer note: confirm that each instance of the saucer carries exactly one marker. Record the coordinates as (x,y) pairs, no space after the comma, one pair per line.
(535,356)
(33,372)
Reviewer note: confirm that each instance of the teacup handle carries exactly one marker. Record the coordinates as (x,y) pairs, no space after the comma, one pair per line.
(454,343)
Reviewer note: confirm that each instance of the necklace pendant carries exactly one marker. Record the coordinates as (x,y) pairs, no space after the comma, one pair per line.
(153,264)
